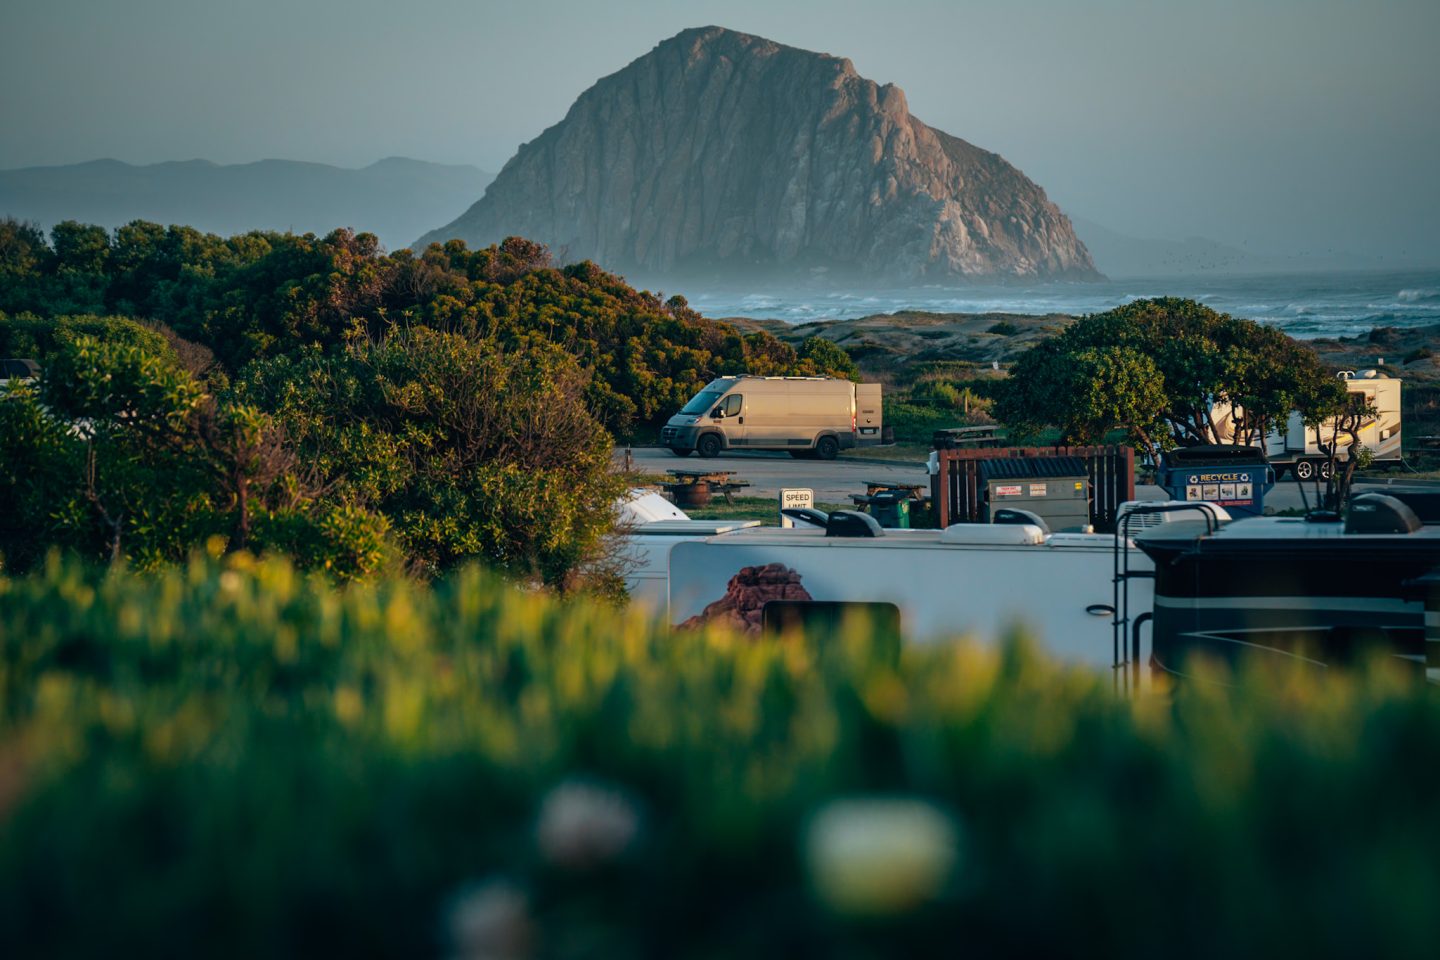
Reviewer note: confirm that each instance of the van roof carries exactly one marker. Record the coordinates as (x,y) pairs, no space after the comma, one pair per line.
(752,376)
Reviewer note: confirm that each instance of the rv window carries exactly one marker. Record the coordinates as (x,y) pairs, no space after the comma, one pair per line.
(700,403)
(732,405)
(782,616)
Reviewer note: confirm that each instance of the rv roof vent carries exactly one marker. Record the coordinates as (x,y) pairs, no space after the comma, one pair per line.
(848,523)
(807,516)
(1025,534)
(1143,521)
(1377,513)
(1014,515)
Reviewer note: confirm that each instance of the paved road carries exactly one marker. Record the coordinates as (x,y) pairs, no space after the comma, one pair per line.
(833,481)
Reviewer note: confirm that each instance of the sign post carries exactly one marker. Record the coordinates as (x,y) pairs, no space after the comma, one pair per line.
(794,498)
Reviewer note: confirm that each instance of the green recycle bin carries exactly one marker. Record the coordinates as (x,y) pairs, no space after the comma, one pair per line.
(891,508)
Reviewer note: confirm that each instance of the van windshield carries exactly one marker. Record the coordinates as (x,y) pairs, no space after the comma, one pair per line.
(701,403)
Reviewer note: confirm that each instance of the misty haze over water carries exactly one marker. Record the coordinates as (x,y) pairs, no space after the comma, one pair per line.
(1303,305)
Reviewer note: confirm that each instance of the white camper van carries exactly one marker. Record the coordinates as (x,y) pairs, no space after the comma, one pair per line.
(808,416)
(1297,448)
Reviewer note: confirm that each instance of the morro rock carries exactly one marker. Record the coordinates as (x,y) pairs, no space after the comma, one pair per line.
(720,153)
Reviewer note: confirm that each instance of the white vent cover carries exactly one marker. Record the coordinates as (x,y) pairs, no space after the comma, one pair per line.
(1145,521)
(991,534)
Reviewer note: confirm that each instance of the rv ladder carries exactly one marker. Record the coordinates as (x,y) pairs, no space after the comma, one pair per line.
(1125,639)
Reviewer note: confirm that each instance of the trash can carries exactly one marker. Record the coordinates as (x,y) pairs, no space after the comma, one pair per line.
(891,508)
(1057,489)
(1236,478)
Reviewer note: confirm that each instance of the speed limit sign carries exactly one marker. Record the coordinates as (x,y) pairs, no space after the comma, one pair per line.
(794,498)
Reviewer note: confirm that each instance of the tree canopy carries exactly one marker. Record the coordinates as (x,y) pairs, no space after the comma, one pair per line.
(260,295)
(1161,370)
(350,407)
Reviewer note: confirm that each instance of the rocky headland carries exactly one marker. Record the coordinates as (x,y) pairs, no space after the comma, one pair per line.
(720,153)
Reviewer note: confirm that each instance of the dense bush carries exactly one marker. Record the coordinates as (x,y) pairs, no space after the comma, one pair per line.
(936,400)
(262,295)
(422,448)
(349,407)
(471,451)
(232,759)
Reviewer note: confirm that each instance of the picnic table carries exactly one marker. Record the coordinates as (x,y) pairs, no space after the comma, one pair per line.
(916,490)
(692,488)
(700,476)
(953,438)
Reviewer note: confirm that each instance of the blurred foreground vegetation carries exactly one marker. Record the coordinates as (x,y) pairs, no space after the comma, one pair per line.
(233,758)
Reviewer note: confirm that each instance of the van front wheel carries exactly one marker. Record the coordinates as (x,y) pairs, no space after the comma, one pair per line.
(708,446)
(827,448)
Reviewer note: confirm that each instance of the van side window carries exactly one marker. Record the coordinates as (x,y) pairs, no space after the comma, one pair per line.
(732,405)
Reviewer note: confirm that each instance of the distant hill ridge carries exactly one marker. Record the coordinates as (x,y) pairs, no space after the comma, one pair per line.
(394,198)
(724,153)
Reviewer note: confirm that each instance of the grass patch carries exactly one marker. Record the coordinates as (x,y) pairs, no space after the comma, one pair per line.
(915,452)
(765,509)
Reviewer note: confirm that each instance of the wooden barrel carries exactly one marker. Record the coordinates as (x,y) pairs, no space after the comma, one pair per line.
(691,494)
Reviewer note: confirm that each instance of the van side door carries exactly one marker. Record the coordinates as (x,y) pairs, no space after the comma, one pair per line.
(732,419)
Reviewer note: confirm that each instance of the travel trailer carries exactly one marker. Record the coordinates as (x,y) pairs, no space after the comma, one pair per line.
(808,416)
(1297,447)
(1309,592)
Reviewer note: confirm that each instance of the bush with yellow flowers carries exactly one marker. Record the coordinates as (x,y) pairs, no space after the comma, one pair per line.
(233,758)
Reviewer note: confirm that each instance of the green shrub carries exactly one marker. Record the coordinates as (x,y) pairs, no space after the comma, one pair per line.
(235,759)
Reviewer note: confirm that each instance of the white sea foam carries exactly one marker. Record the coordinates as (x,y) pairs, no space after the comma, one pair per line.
(1304,305)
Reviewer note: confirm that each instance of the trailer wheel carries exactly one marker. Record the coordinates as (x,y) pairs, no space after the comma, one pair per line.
(1303,469)
(827,448)
(708,446)
(1327,469)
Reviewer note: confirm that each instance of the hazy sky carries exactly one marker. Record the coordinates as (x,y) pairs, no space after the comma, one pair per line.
(1280,125)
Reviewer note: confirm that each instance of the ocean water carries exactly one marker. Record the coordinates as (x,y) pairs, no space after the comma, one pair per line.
(1303,305)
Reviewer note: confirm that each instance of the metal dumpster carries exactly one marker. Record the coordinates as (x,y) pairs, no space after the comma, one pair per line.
(1235,477)
(1057,489)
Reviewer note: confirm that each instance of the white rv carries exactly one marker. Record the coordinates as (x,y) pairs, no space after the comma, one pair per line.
(977,580)
(1297,447)
(808,416)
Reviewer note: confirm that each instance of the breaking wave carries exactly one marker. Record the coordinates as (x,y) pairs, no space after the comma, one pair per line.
(1303,305)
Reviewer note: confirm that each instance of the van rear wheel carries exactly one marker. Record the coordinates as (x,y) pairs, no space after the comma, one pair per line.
(827,448)
(708,446)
